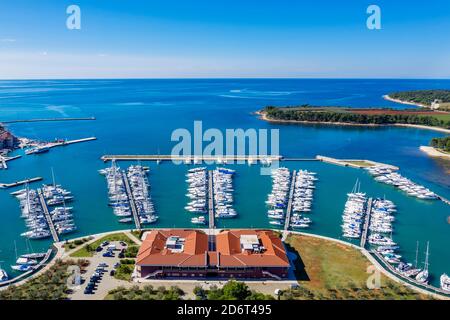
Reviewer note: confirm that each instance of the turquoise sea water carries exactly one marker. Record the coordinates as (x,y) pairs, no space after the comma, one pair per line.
(138,117)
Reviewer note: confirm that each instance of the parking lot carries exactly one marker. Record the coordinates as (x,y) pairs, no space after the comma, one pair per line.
(97,279)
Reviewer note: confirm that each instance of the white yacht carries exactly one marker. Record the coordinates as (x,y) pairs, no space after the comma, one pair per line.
(445,282)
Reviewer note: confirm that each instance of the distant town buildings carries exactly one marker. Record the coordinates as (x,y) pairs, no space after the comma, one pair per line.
(7,140)
(229,254)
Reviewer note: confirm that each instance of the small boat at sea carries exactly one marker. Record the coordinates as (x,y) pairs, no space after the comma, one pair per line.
(126,220)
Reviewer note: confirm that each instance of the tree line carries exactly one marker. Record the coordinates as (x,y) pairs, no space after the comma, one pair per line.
(322,115)
(425,97)
(441,143)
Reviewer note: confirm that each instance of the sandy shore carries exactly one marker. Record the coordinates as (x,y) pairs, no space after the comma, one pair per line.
(433,152)
(263,116)
(386,97)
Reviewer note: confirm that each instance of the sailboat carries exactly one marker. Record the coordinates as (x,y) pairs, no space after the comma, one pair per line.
(422,276)
(3,274)
(22,263)
(31,254)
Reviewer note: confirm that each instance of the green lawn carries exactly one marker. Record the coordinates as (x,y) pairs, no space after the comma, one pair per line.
(337,271)
(89,249)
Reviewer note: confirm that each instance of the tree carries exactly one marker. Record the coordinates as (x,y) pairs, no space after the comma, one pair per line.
(234,290)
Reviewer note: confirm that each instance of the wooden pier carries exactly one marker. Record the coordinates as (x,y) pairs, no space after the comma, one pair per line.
(47,120)
(366,223)
(18,183)
(50,224)
(190,158)
(291,196)
(211,217)
(137,222)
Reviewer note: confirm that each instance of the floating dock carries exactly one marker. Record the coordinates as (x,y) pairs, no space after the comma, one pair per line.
(18,183)
(291,196)
(137,222)
(211,217)
(366,223)
(47,120)
(49,220)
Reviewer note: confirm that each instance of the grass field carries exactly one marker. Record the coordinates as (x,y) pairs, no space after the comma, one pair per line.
(337,271)
(89,249)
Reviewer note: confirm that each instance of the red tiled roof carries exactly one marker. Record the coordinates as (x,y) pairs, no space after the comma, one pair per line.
(228,250)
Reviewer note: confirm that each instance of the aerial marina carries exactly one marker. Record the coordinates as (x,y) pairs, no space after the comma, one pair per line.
(223,193)
(303,198)
(145,192)
(388,176)
(129,194)
(197,179)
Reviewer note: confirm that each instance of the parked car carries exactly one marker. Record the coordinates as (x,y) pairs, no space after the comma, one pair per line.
(108,254)
(104,243)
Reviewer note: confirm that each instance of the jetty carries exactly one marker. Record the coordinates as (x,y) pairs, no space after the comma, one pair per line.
(3,161)
(67,142)
(48,120)
(49,220)
(191,158)
(289,206)
(211,217)
(137,222)
(355,163)
(366,223)
(18,183)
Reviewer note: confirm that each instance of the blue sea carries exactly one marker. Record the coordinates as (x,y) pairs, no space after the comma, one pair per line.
(139,116)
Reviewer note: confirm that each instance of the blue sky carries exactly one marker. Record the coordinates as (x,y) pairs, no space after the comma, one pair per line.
(216,38)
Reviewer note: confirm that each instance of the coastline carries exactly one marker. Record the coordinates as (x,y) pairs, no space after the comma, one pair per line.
(263,116)
(433,152)
(387,97)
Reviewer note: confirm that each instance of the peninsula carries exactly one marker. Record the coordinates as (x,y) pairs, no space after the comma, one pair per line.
(423,119)
(433,99)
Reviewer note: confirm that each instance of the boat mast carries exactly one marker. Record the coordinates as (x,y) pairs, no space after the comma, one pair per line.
(53,178)
(426,257)
(417,253)
(15,248)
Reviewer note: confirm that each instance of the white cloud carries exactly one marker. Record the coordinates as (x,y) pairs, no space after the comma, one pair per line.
(7,40)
